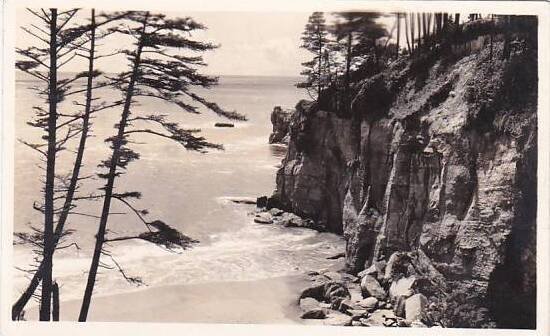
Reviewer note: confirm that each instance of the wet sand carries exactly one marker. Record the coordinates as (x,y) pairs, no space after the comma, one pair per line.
(269,301)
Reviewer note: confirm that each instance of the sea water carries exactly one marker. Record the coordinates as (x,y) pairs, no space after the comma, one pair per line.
(188,190)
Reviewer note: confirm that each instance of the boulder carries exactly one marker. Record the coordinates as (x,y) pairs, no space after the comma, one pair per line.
(273,202)
(261,202)
(275,212)
(337,319)
(417,324)
(288,219)
(334,276)
(369,303)
(415,307)
(356,314)
(379,318)
(346,305)
(326,291)
(355,292)
(371,287)
(401,322)
(263,218)
(336,290)
(316,313)
(349,277)
(399,307)
(398,266)
(316,291)
(376,270)
(402,287)
(325,305)
(308,303)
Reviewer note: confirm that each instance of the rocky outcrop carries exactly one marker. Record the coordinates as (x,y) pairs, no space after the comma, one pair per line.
(281,121)
(437,162)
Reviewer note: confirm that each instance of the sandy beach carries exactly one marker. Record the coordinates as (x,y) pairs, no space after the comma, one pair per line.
(271,301)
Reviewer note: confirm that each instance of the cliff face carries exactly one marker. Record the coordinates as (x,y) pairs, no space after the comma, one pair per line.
(439,158)
(280,119)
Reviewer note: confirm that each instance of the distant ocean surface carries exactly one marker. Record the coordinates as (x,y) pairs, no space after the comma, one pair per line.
(187,190)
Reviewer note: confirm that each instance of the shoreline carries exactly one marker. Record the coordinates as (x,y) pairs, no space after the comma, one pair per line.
(266,301)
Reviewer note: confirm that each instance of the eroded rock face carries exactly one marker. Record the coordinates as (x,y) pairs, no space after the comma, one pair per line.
(443,167)
(280,119)
(310,182)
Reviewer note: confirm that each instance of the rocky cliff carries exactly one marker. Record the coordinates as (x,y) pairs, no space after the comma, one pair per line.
(437,160)
(280,119)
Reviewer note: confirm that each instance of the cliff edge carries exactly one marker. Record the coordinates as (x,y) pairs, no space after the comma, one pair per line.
(436,161)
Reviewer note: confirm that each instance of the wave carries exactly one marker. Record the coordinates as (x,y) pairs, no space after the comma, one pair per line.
(252,252)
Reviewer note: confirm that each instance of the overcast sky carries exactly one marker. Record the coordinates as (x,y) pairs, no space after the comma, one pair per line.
(252,43)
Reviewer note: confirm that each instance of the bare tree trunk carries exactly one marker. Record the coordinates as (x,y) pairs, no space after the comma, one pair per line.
(398,34)
(407,33)
(457,28)
(55,301)
(117,144)
(19,305)
(424,27)
(46,295)
(413,32)
(418,21)
(438,23)
(429,28)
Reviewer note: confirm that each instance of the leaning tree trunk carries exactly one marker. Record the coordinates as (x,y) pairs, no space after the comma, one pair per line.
(398,34)
(46,295)
(24,298)
(117,145)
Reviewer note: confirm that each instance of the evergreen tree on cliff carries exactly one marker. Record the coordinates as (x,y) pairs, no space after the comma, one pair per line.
(314,39)
(164,64)
(358,32)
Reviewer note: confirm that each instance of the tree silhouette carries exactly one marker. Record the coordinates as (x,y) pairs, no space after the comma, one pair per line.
(75,41)
(43,63)
(359,31)
(163,66)
(314,39)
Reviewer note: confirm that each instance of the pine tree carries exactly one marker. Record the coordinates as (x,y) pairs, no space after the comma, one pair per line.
(43,63)
(160,69)
(359,31)
(314,39)
(76,41)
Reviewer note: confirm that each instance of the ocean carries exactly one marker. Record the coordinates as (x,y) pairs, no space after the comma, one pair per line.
(188,190)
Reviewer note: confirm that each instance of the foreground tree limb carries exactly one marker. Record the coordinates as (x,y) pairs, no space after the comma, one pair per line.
(164,76)
(68,36)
